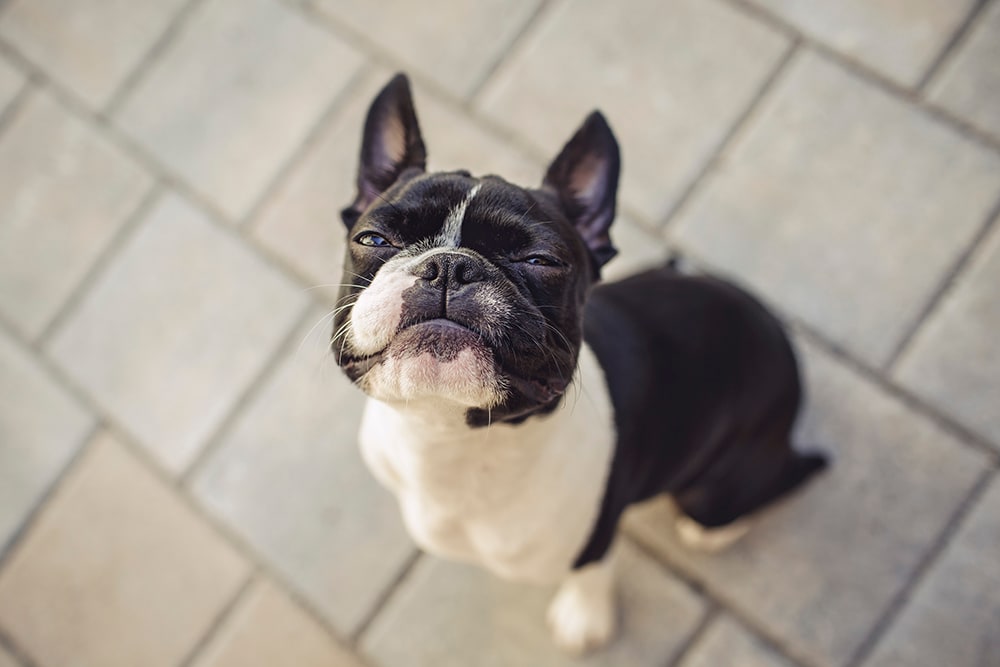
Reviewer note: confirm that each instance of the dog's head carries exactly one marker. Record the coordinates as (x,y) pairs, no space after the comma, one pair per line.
(469,290)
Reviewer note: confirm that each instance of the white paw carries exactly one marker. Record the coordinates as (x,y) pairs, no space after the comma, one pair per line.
(696,536)
(581,620)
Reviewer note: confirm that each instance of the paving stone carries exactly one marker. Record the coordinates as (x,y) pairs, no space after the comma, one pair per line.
(900,39)
(64,193)
(727,644)
(88,47)
(638,249)
(671,78)
(843,206)
(7,660)
(269,629)
(820,568)
(40,429)
(954,360)
(953,617)
(289,478)
(969,83)
(456,55)
(301,223)
(447,614)
(11,82)
(116,571)
(234,94)
(170,334)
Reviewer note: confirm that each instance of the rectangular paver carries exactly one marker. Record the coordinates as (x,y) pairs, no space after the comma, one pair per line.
(89,47)
(843,205)
(234,94)
(65,191)
(451,615)
(820,568)
(726,644)
(170,334)
(116,571)
(289,478)
(41,427)
(671,78)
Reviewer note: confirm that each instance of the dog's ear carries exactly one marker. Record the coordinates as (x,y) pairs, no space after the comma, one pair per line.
(585,176)
(391,145)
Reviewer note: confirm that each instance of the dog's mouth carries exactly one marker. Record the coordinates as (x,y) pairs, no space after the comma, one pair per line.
(443,338)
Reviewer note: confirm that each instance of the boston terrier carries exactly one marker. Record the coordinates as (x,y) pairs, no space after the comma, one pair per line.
(516,405)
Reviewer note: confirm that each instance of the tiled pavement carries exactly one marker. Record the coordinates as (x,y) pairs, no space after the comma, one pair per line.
(179,480)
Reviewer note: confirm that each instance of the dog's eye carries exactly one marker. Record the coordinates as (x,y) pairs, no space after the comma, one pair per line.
(540,260)
(372,239)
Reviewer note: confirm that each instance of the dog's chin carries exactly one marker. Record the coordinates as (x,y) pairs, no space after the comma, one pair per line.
(435,360)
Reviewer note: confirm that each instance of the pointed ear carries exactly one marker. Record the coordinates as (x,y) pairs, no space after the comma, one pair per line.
(391,145)
(585,176)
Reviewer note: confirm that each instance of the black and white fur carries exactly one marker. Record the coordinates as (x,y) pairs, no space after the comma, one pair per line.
(517,407)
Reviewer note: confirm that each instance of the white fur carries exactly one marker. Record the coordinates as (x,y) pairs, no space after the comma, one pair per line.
(468,380)
(518,500)
(375,315)
(583,615)
(451,230)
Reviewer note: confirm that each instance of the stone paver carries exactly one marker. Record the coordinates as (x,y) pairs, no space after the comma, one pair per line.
(670,90)
(40,429)
(455,59)
(820,568)
(7,660)
(302,222)
(638,249)
(88,47)
(65,191)
(844,206)
(11,82)
(726,644)
(451,615)
(234,94)
(954,616)
(969,83)
(269,629)
(289,478)
(899,38)
(116,572)
(172,331)
(954,361)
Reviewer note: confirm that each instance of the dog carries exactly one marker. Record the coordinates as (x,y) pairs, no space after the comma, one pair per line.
(516,405)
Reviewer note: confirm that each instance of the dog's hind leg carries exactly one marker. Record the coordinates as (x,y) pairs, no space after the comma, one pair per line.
(716,510)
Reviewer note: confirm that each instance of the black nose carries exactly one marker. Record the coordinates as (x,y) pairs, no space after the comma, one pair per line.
(449,270)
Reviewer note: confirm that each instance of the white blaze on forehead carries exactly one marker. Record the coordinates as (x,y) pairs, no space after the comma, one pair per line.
(451,230)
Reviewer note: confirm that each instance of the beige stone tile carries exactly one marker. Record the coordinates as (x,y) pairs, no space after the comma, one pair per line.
(726,644)
(302,223)
(452,42)
(234,94)
(843,205)
(820,568)
(899,38)
(88,47)
(117,571)
(40,429)
(954,360)
(289,478)
(450,615)
(11,82)
(969,83)
(170,334)
(65,191)
(671,78)
(952,616)
(7,660)
(268,629)
(638,249)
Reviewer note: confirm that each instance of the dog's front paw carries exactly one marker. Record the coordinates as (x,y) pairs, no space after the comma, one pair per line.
(582,617)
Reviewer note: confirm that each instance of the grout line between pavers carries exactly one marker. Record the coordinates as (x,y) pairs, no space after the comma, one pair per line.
(732,135)
(694,639)
(213,627)
(868,74)
(159,45)
(7,642)
(16,104)
(702,589)
(126,230)
(952,46)
(924,566)
(382,601)
(945,287)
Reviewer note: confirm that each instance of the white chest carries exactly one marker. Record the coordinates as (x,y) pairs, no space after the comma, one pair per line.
(519,500)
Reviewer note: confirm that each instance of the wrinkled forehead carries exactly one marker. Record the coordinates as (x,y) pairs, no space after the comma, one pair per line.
(457,210)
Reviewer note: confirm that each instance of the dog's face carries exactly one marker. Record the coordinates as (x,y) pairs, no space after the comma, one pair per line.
(469,290)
